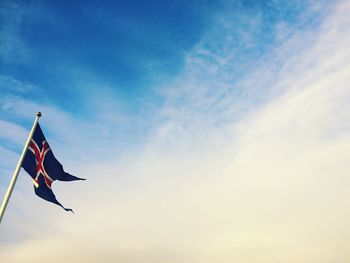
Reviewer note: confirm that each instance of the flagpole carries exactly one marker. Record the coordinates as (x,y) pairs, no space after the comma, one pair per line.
(18,168)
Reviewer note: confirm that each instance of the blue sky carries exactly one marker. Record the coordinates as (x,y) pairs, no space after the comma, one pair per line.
(72,53)
(120,44)
(204,128)
(128,46)
(77,55)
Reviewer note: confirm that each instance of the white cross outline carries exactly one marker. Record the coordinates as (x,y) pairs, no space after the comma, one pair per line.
(39,160)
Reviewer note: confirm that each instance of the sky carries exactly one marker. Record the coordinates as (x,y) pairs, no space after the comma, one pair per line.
(208,131)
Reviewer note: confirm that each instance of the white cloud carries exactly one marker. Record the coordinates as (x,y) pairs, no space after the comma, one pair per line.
(8,83)
(12,132)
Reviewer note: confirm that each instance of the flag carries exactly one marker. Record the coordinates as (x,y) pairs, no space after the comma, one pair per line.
(40,163)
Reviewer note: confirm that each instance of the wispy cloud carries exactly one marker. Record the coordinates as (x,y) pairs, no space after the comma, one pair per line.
(12,132)
(10,84)
(12,48)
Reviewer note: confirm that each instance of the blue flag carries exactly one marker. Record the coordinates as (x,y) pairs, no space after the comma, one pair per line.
(40,163)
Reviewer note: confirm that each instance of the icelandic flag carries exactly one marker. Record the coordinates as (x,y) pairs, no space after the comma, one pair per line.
(40,163)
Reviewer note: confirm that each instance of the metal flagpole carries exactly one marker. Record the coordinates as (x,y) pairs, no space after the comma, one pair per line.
(18,168)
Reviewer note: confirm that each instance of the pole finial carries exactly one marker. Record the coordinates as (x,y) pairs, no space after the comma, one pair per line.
(38,114)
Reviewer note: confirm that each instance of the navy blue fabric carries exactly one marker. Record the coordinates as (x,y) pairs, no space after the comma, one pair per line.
(52,167)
